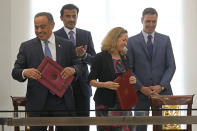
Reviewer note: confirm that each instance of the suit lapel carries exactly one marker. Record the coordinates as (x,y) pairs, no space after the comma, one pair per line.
(38,49)
(143,43)
(64,35)
(77,37)
(58,49)
(155,44)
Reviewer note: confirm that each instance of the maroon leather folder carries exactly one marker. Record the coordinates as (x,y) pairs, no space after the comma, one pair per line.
(126,92)
(51,78)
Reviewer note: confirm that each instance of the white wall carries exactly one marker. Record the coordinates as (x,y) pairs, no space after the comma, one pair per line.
(17,26)
(5,54)
(190,50)
(190,47)
(20,25)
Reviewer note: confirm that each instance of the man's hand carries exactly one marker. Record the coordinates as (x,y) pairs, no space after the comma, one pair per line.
(147,91)
(32,73)
(68,71)
(156,88)
(81,50)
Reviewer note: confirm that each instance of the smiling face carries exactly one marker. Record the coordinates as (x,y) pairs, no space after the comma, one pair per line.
(149,23)
(69,18)
(122,42)
(43,29)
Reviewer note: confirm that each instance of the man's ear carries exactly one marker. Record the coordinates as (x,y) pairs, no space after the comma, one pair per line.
(142,20)
(52,24)
(61,18)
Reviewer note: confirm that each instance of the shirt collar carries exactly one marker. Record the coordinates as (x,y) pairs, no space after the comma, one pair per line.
(68,30)
(146,34)
(51,38)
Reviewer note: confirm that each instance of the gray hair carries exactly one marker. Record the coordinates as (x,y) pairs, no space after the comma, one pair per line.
(47,14)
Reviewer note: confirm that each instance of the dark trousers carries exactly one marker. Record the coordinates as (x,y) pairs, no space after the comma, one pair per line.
(53,103)
(82,104)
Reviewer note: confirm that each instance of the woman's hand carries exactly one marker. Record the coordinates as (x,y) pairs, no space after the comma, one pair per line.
(111,85)
(132,80)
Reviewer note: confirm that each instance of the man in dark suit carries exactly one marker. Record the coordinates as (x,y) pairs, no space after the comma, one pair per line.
(151,59)
(82,40)
(31,54)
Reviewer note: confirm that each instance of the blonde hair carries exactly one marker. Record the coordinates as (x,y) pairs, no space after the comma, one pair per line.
(109,43)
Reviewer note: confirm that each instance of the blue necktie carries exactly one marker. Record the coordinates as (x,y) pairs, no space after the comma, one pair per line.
(47,50)
(150,45)
(72,36)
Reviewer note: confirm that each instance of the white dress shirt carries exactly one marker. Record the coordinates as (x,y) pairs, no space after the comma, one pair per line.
(52,46)
(146,35)
(68,30)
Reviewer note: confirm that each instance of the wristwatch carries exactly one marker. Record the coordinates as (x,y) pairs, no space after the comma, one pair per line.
(162,88)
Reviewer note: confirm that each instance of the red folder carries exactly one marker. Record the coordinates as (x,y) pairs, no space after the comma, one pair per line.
(51,78)
(126,92)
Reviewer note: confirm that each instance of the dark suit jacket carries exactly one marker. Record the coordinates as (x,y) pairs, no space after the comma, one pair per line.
(103,69)
(159,70)
(83,37)
(30,56)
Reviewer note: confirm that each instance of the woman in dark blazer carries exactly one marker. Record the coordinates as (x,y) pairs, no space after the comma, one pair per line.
(106,67)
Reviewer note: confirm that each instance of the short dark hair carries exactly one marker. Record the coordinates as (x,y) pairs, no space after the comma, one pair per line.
(149,11)
(47,14)
(68,7)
